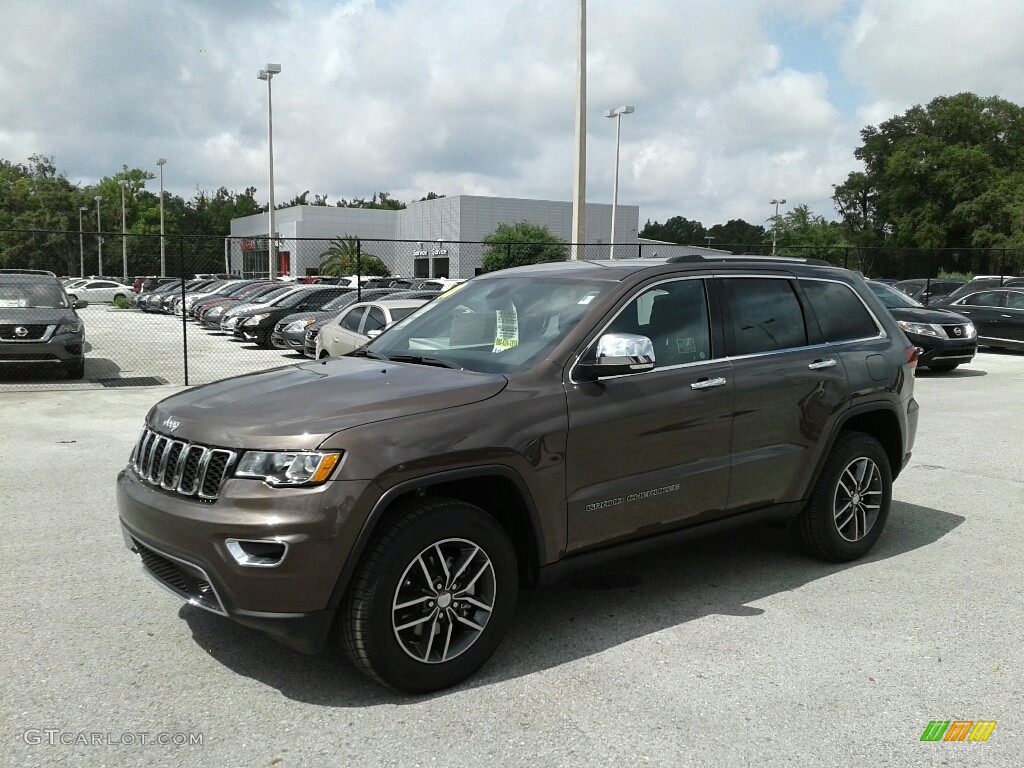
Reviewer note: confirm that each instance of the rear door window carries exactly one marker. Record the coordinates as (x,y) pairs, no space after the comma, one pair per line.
(763,315)
(841,314)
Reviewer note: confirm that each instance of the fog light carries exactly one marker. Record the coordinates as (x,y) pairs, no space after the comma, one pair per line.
(257,553)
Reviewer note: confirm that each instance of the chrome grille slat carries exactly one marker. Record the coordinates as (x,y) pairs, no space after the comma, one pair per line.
(190,469)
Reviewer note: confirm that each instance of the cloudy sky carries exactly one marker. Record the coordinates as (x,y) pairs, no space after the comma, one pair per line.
(737,101)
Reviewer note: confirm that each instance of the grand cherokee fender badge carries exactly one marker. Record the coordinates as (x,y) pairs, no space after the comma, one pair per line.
(171,423)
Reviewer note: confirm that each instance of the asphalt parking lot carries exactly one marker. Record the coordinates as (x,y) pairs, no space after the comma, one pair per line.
(735,650)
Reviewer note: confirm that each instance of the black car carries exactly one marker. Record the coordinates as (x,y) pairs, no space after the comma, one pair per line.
(997,313)
(945,338)
(927,291)
(39,327)
(977,284)
(257,325)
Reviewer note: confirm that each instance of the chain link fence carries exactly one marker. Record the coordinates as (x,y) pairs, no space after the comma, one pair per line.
(129,345)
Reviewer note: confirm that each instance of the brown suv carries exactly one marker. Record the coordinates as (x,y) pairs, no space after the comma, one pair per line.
(524,423)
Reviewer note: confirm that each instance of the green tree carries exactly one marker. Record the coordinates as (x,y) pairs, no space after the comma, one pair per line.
(803,233)
(344,258)
(675,230)
(736,232)
(515,245)
(43,204)
(945,175)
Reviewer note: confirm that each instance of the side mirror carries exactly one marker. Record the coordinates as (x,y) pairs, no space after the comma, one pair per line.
(618,354)
(81,303)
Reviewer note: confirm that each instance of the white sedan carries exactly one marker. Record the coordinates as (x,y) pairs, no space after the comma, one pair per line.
(98,291)
(358,323)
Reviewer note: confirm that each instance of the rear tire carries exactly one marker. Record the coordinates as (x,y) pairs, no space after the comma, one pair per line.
(850,502)
(432,598)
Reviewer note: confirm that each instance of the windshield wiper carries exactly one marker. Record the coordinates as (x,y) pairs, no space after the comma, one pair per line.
(420,360)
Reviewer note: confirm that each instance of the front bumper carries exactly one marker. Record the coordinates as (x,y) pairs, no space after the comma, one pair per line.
(944,351)
(182,544)
(58,350)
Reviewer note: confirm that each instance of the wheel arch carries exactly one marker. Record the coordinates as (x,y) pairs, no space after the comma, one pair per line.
(497,489)
(876,420)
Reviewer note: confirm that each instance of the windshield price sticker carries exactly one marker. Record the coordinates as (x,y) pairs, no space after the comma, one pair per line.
(506,332)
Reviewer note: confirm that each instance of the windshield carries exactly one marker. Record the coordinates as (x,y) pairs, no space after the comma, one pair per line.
(892,298)
(40,295)
(501,324)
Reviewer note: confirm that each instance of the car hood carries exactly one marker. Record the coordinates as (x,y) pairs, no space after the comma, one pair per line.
(299,406)
(928,315)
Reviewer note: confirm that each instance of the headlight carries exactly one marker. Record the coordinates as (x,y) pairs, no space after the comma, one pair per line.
(288,468)
(297,325)
(970,331)
(921,329)
(69,328)
(256,319)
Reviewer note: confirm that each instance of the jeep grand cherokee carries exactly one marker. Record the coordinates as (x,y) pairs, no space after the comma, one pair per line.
(524,423)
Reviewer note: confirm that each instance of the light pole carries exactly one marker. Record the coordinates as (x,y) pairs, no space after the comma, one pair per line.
(81,242)
(163,253)
(775,223)
(268,75)
(579,182)
(124,237)
(99,237)
(617,113)
(709,238)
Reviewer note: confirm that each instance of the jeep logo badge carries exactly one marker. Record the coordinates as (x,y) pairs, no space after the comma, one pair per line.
(171,424)
(21,331)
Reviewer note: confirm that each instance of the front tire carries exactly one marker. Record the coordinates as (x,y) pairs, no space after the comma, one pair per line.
(75,370)
(850,502)
(432,598)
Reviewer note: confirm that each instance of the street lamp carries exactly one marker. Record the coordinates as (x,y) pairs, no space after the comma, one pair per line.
(124,238)
(99,237)
(81,242)
(775,224)
(163,253)
(709,238)
(268,75)
(617,113)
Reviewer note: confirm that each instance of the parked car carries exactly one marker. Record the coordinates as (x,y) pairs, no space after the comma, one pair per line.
(97,291)
(257,324)
(210,313)
(312,329)
(534,421)
(152,282)
(926,291)
(945,339)
(998,314)
(361,322)
(977,284)
(39,327)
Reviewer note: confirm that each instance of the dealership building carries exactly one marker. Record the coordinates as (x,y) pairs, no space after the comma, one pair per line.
(429,238)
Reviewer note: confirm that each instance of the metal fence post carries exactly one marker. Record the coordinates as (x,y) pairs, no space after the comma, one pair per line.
(184,325)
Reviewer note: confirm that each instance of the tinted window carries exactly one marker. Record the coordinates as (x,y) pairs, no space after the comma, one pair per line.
(350,322)
(765,315)
(986,299)
(375,320)
(1015,300)
(674,316)
(840,312)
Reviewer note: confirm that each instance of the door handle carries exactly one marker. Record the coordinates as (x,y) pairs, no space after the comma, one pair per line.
(1006,316)
(817,365)
(708,383)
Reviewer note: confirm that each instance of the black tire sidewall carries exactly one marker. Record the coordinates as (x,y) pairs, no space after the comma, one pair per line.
(818,531)
(446,519)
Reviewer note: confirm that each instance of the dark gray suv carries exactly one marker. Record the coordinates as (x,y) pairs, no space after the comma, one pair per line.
(39,328)
(523,424)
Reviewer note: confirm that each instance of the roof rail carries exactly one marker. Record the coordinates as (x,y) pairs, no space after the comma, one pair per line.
(27,272)
(696,258)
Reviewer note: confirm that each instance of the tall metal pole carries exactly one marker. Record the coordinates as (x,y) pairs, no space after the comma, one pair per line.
(124,235)
(579,188)
(163,252)
(775,223)
(617,113)
(99,237)
(81,243)
(268,75)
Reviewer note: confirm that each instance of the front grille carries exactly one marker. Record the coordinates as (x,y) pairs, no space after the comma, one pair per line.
(187,468)
(951,331)
(28,332)
(187,581)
